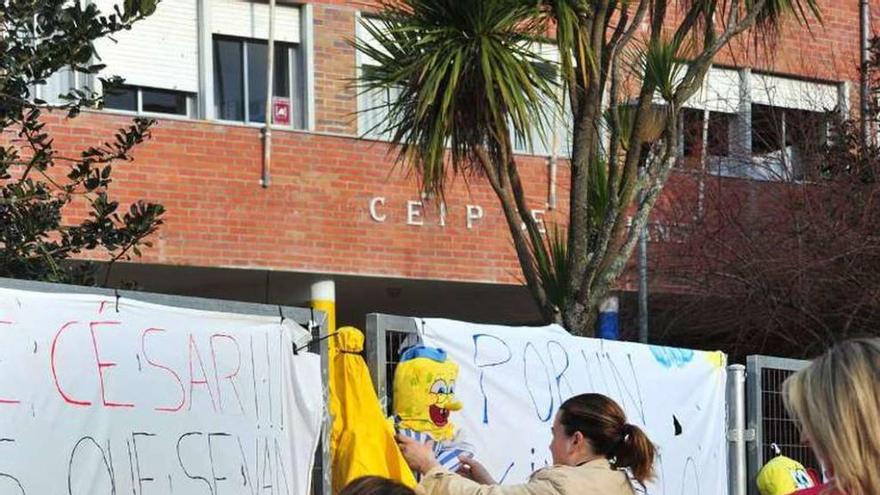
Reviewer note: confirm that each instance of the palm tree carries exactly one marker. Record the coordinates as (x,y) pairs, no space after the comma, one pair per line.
(470,81)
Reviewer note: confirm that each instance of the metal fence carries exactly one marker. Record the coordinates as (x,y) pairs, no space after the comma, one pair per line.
(767,416)
(315,321)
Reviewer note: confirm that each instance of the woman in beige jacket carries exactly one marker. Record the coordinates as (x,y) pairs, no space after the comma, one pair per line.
(593,447)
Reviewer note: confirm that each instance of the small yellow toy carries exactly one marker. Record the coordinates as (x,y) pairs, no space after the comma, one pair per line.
(424,397)
(783,475)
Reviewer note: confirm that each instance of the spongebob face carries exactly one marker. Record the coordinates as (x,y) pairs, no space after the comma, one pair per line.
(442,392)
(424,392)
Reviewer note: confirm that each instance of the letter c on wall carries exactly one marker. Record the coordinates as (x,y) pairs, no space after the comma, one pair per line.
(374,213)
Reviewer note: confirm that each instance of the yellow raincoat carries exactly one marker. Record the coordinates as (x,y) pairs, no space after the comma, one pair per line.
(362,440)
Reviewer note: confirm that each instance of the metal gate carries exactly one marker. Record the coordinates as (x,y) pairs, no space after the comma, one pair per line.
(384,338)
(767,416)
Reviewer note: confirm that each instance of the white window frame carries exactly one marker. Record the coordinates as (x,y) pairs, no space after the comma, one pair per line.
(366,129)
(705,115)
(206,66)
(291,86)
(77,80)
(558,139)
(741,161)
(790,171)
(191,105)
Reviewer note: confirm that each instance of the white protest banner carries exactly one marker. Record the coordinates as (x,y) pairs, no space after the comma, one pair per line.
(104,396)
(513,379)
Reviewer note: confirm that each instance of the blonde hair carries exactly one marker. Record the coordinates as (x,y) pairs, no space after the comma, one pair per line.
(836,402)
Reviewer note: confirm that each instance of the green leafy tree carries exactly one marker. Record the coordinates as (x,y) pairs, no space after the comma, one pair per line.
(469,81)
(37,182)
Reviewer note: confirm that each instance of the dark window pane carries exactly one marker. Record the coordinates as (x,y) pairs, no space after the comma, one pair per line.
(228,80)
(692,139)
(122,98)
(806,136)
(163,101)
(256,56)
(766,129)
(805,129)
(281,86)
(719,134)
(692,129)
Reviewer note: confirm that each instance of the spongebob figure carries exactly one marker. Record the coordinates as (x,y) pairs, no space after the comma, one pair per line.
(424,397)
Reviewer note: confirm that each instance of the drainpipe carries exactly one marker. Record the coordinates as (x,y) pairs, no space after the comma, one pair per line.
(270,75)
(864,95)
(205,108)
(551,196)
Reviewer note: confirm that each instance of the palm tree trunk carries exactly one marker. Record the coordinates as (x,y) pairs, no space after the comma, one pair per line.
(580,320)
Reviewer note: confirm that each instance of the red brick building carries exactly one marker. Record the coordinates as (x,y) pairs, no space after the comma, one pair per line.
(335,207)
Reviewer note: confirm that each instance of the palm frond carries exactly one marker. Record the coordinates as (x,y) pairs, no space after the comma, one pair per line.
(571,40)
(661,67)
(552,262)
(466,76)
(553,269)
(599,198)
(773,12)
(625,120)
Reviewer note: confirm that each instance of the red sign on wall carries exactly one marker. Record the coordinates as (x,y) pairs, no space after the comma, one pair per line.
(281,111)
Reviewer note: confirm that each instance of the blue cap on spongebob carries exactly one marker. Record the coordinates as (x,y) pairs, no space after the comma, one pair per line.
(421,351)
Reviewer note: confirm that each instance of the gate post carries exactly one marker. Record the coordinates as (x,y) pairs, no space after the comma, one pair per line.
(737,435)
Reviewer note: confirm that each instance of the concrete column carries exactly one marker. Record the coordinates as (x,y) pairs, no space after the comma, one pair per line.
(740,137)
(323,297)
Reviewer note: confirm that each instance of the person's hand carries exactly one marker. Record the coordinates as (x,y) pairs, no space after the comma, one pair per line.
(419,456)
(472,469)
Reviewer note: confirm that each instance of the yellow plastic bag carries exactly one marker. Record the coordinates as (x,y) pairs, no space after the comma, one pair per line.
(363,441)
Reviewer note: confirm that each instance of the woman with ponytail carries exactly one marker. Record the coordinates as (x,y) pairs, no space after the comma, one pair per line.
(595,452)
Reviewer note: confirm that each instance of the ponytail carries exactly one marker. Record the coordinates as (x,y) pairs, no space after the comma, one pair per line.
(636,453)
(603,423)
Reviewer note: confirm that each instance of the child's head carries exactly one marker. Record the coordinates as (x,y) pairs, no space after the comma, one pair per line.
(376,485)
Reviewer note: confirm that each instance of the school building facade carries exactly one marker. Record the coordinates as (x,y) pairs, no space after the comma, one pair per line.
(335,213)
